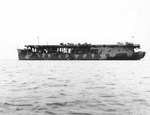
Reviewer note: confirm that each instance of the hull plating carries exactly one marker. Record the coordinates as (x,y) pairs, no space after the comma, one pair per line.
(48,56)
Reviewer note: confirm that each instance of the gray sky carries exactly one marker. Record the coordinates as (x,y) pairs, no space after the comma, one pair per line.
(55,21)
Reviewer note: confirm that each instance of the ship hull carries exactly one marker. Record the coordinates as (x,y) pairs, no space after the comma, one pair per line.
(66,56)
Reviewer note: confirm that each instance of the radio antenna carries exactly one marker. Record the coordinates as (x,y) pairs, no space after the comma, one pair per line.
(38,39)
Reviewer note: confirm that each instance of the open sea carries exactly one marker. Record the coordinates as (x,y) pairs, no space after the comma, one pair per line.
(74,87)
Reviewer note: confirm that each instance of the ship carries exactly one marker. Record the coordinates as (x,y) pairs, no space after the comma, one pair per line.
(85,51)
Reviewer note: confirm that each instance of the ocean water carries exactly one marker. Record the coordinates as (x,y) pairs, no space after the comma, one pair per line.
(74,87)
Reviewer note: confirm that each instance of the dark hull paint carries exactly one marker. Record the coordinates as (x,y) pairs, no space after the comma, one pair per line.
(120,56)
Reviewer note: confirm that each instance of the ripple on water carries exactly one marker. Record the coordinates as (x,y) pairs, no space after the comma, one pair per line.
(77,113)
(139,100)
(56,105)
(108,96)
(117,104)
(51,78)
(50,113)
(11,104)
(110,110)
(64,104)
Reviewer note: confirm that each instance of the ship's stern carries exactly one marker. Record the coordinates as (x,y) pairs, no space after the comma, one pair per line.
(21,54)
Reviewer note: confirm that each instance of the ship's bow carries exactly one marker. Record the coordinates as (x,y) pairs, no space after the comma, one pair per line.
(141,54)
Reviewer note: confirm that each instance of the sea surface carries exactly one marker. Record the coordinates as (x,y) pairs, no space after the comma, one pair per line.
(74,87)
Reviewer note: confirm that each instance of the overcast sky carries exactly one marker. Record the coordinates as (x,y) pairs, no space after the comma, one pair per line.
(55,21)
